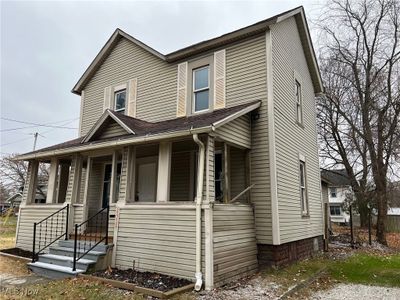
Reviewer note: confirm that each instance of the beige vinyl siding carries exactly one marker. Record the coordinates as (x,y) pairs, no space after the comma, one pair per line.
(111,220)
(159,238)
(180,177)
(235,246)
(111,129)
(237,132)
(238,172)
(82,189)
(35,213)
(245,82)
(94,200)
(291,139)
(156,84)
(78,214)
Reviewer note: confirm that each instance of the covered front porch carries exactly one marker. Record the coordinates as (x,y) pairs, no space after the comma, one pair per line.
(178,204)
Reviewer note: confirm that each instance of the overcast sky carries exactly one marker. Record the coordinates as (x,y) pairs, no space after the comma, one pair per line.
(46,46)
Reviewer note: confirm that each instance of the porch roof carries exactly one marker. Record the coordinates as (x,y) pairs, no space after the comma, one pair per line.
(139,131)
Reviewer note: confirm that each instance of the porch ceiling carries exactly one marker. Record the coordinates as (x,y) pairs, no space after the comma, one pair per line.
(139,131)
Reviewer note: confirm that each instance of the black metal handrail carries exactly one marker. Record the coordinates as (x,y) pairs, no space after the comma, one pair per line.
(91,223)
(45,227)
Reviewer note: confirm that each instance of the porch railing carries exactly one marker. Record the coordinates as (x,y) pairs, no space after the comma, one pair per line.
(91,233)
(48,231)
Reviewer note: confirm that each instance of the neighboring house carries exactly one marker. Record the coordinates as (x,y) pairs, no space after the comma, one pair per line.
(14,201)
(339,189)
(206,158)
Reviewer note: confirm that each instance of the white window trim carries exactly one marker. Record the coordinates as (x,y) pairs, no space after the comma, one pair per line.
(194,91)
(116,92)
(305,211)
(297,80)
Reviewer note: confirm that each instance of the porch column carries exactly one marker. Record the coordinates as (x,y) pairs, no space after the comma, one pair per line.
(29,193)
(113,177)
(52,183)
(63,183)
(89,163)
(73,190)
(227,179)
(209,213)
(164,171)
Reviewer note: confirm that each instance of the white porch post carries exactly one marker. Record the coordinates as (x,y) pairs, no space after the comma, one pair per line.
(209,214)
(73,190)
(126,193)
(113,176)
(164,171)
(29,193)
(89,163)
(52,183)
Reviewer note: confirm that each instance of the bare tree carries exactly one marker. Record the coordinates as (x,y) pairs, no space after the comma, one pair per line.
(13,174)
(361,72)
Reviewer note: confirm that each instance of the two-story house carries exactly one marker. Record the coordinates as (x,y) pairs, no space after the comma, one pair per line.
(201,163)
(339,191)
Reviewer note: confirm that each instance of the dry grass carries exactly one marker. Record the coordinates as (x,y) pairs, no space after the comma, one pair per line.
(7,232)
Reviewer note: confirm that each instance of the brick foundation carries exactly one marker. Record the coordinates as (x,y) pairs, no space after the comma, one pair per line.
(284,254)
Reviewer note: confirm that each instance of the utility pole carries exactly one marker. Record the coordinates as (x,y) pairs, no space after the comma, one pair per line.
(35,136)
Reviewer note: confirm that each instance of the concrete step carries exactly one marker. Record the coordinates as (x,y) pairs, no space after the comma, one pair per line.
(66,261)
(70,244)
(69,252)
(53,271)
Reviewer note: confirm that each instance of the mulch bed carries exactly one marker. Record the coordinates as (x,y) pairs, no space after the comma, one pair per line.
(144,279)
(18,252)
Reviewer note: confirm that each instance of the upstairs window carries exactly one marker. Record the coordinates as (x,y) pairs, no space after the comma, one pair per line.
(303,189)
(201,88)
(120,101)
(333,192)
(299,109)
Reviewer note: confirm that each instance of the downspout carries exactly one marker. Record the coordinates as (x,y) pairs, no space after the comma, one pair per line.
(199,196)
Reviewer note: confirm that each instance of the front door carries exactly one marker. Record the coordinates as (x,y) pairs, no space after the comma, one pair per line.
(147,181)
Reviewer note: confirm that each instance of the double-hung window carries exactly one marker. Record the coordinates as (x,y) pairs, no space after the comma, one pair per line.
(299,109)
(120,101)
(333,192)
(303,189)
(201,89)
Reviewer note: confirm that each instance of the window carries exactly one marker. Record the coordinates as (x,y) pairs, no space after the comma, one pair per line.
(219,176)
(299,113)
(303,189)
(333,192)
(107,183)
(335,210)
(201,88)
(120,101)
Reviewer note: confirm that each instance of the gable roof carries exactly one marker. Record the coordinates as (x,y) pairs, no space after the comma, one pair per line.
(336,177)
(213,43)
(141,131)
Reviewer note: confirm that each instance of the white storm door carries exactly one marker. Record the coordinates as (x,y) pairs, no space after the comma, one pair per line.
(147,185)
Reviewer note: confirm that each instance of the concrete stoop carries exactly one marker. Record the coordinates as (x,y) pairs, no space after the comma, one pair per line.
(58,262)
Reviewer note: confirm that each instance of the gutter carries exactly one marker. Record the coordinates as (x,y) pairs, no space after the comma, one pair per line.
(199,196)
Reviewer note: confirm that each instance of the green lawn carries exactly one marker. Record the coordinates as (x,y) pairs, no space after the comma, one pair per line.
(368,269)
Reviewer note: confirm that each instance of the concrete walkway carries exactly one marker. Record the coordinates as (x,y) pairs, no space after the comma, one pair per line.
(14,281)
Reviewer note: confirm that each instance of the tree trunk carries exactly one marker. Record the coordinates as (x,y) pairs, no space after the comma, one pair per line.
(382,213)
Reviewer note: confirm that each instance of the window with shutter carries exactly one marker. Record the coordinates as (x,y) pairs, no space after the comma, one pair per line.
(107,98)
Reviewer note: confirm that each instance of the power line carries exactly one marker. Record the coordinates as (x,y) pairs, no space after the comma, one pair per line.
(35,125)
